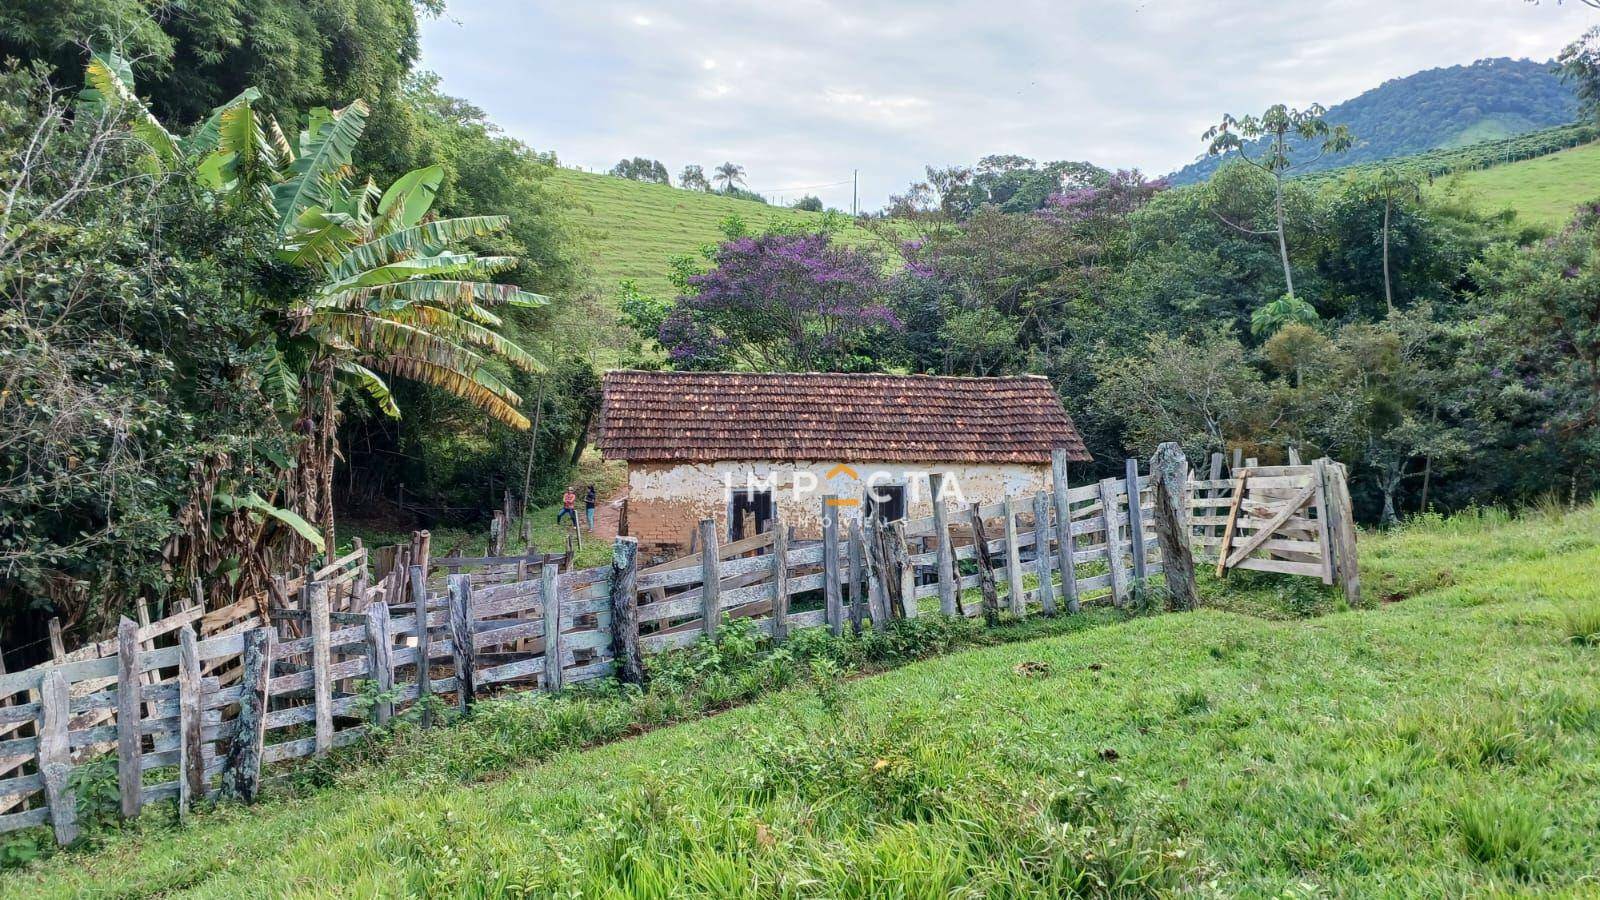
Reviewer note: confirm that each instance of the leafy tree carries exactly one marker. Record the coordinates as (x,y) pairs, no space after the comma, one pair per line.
(693,178)
(809,203)
(385,294)
(1286,310)
(729,175)
(650,171)
(1275,158)
(1201,394)
(781,302)
(1579,66)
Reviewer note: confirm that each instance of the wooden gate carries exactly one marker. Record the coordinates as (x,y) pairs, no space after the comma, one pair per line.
(1293,520)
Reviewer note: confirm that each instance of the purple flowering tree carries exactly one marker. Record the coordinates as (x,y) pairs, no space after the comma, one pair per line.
(782,302)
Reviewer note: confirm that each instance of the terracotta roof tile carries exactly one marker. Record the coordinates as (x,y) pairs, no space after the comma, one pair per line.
(702,416)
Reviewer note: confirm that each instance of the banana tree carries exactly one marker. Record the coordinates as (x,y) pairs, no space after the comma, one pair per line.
(389,296)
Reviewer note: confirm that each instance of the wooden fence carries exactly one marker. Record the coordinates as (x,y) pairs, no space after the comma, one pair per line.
(213,714)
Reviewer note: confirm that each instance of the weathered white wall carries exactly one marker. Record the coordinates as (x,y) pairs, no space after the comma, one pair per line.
(665,501)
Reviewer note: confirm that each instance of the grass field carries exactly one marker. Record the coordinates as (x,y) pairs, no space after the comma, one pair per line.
(1442,745)
(1544,190)
(635,228)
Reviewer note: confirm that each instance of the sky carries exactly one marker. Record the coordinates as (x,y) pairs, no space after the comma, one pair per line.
(804,93)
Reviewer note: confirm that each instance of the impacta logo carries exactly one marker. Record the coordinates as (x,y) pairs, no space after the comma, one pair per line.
(835,472)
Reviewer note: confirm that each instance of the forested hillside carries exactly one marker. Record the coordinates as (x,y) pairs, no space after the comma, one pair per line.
(1438,108)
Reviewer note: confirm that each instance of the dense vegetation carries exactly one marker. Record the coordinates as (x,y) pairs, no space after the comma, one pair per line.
(1441,109)
(204,320)
(1216,753)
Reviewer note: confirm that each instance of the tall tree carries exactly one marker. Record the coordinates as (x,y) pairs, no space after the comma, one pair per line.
(729,175)
(693,178)
(1267,142)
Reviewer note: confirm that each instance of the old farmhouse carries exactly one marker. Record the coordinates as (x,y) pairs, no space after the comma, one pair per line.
(742,447)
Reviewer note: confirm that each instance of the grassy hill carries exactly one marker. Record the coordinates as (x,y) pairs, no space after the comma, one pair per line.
(635,228)
(1442,745)
(1545,190)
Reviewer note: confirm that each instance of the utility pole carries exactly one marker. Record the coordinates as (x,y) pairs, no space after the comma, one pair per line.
(855,192)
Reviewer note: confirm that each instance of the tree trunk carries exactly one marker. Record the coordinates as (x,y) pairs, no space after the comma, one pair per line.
(1388,291)
(1283,241)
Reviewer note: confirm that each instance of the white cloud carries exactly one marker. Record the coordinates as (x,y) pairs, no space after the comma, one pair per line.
(803,92)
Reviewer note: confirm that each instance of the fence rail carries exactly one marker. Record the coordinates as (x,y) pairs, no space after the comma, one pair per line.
(317,665)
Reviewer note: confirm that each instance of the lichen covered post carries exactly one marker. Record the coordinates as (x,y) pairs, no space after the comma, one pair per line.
(1169,474)
(625,610)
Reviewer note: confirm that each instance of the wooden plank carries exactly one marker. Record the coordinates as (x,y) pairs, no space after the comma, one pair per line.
(1136,520)
(944,552)
(241,770)
(55,757)
(986,585)
(625,610)
(191,749)
(129,689)
(1214,474)
(1065,542)
(1324,539)
(710,579)
(1272,525)
(1041,555)
(380,660)
(780,580)
(1113,517)
(1280,566)
(1169,471)
(857,564)
(550,588)
(461,644)
(321,662)
(419,601)
(1013,559)
(833,598)
(1239,482)
(1342,526)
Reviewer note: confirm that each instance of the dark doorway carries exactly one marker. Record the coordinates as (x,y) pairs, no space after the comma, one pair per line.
(750,515)
(886,503)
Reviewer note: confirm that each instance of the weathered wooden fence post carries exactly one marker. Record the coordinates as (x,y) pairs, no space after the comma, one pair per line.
(1169,474)
(780,580)
(980,546)
(625,610)
(1108,508)
(1215,474)
(710,579)
(945,554)
(380,664)
(833,598)
(461,643)
(130,780)
(191,747)
(321,660)
(1135,523)
(419,600)
(550,595)
(241,770)
(876,563)
(1066,544)
(857,572)
(1041,553)
(55,757)
(1013,560)
(1341,516)
(908,573)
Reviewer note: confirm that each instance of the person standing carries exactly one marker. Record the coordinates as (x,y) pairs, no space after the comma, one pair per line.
(588,506)
(569,502)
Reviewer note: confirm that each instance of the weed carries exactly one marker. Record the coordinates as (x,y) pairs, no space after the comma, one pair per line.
(1582,622)
(1504,835)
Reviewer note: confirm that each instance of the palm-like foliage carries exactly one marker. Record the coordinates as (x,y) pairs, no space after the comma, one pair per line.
(729,174)
(391,296)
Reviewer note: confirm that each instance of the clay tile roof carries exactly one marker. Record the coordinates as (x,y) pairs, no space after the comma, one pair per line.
(704,416)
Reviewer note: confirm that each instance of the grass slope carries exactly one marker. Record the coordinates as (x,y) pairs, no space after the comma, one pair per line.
(635,228)
(1441,746)
(1544,190)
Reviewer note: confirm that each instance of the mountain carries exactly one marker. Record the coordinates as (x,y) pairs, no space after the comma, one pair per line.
(1438,108)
